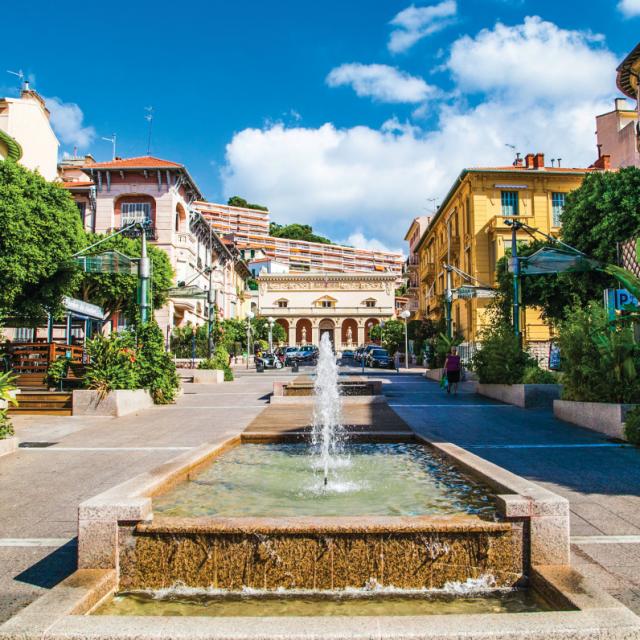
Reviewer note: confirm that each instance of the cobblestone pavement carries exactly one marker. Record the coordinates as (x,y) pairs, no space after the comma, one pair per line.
(40,488)
(600,478)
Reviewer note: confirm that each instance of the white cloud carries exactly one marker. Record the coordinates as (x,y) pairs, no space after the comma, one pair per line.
(67,122)
(380,82)
(414,23)
(371,182)
(533,61)
(360,241)
(630,8)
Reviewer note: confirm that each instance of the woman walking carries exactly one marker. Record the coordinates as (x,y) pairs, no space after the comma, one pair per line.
(452,368)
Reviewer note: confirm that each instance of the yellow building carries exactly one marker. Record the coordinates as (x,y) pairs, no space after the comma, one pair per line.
(470,228)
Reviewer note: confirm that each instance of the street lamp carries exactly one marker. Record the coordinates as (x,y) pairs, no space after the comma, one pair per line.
(271,322)
(405,316)
(250,317)
(515,261)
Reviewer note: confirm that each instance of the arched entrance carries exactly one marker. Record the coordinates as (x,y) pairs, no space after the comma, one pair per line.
(285,325)
(368,325)
(349,333)
(303,331)
(327,326)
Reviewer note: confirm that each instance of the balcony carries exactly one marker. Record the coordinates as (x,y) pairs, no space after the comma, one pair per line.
(429,272)
(284,312)
(497,222)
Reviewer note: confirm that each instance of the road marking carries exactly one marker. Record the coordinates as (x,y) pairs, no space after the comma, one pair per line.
(35,542)
(586,445)
(108,449)
(214,406)
(630,539)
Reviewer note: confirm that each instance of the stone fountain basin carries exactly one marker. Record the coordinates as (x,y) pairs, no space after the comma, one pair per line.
(353,389)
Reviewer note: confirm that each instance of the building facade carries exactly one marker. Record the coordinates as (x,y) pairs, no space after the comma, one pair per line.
(159,193)
(346,306)
(250,231)
(469,233)
(412,237)
(26,135)
(616,133)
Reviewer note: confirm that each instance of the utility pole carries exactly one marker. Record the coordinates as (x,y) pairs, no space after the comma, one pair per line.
(144,274)
(112,140)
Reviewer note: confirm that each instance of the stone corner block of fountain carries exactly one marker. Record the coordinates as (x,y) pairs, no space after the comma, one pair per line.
(208,376)
(114,404)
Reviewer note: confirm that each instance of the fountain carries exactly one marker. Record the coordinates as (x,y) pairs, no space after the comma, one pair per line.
(327,431)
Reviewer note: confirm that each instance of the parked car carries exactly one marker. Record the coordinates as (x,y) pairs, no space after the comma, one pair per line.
(367,350)
(379,358)
(348,353)
(307,354)
(289,354)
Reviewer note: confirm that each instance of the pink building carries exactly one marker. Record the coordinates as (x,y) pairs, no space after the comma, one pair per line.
(112,195)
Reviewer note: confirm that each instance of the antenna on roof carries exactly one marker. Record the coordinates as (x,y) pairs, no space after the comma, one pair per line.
(20,75)
(149,118)
(112,140)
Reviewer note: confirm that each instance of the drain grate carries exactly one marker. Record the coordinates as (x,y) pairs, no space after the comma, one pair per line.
(36,445)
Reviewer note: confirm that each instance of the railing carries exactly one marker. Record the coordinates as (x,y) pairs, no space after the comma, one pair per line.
(30,360)
(325,311)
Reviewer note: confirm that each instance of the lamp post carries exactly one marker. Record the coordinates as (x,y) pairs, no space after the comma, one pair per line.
(211,312)
(405,316)
(271,322)
(193,347)
(515,268)
(250,316)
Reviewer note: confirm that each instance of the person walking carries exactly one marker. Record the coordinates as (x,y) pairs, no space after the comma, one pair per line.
(452,368)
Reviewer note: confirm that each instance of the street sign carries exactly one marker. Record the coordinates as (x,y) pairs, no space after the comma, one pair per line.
(187,292)
(623,298)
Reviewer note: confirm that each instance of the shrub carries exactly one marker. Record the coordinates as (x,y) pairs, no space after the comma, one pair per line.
(7,385)
(536,375)
(599,361)
(220,361)
(113,363)
(157,368)
(632,426)
(501,359)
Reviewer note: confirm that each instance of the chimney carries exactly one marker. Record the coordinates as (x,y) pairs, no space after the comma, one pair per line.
(553,162)
(559,162)
(528,160)
(621,104)
(518,161)
(538,161)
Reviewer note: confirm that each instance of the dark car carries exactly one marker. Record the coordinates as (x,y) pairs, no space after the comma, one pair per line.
(290,354)
(366,351)
(348,353)
(380,358)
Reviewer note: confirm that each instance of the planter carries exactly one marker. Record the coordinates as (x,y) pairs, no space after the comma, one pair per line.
(522,395)
(208,376)
(604,417)
(8,445)
(115,404)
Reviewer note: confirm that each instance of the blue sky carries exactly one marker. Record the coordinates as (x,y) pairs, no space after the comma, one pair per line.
(349,115)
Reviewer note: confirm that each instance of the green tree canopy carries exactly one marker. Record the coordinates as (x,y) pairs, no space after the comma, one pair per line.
(117,292)
(391,335)
(41,230)
(237,201)
(296,232)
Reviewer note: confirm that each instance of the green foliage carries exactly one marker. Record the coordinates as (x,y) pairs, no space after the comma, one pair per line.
(536,375)
(296,232)
(632,426)
(117,292)
(441,346)
(219,361)
(599,360)
(260,331)
(58,371)
(237,201)
(113,363)
(7,385)
(391,335)
(41,230)
(501,360)
(157,368)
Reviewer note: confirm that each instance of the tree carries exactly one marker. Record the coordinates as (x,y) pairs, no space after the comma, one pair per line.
(260,328)
(296,232)
(117,292)
(391,335)
(41,230)
(237,201)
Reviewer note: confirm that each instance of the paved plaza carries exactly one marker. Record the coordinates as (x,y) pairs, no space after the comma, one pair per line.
(41,486)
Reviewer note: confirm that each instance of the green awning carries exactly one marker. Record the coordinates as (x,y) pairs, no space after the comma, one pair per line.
(548,260)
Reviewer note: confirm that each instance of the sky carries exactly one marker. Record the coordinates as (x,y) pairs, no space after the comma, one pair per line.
(353,116)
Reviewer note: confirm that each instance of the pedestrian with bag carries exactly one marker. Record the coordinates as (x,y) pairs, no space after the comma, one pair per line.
(452,369)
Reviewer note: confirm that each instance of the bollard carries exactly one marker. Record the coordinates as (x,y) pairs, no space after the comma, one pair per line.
(295,367)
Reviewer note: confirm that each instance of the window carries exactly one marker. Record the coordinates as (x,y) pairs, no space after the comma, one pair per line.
(370,303)
(82,209)
(557,207)
(509,203)
(135,212)
(283,304)
(327,304)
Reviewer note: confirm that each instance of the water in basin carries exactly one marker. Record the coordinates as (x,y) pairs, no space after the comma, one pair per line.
(365,479)
(254,605)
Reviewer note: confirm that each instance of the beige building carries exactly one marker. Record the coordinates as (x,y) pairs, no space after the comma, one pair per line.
(616,133)
(346,306)
(26,135)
